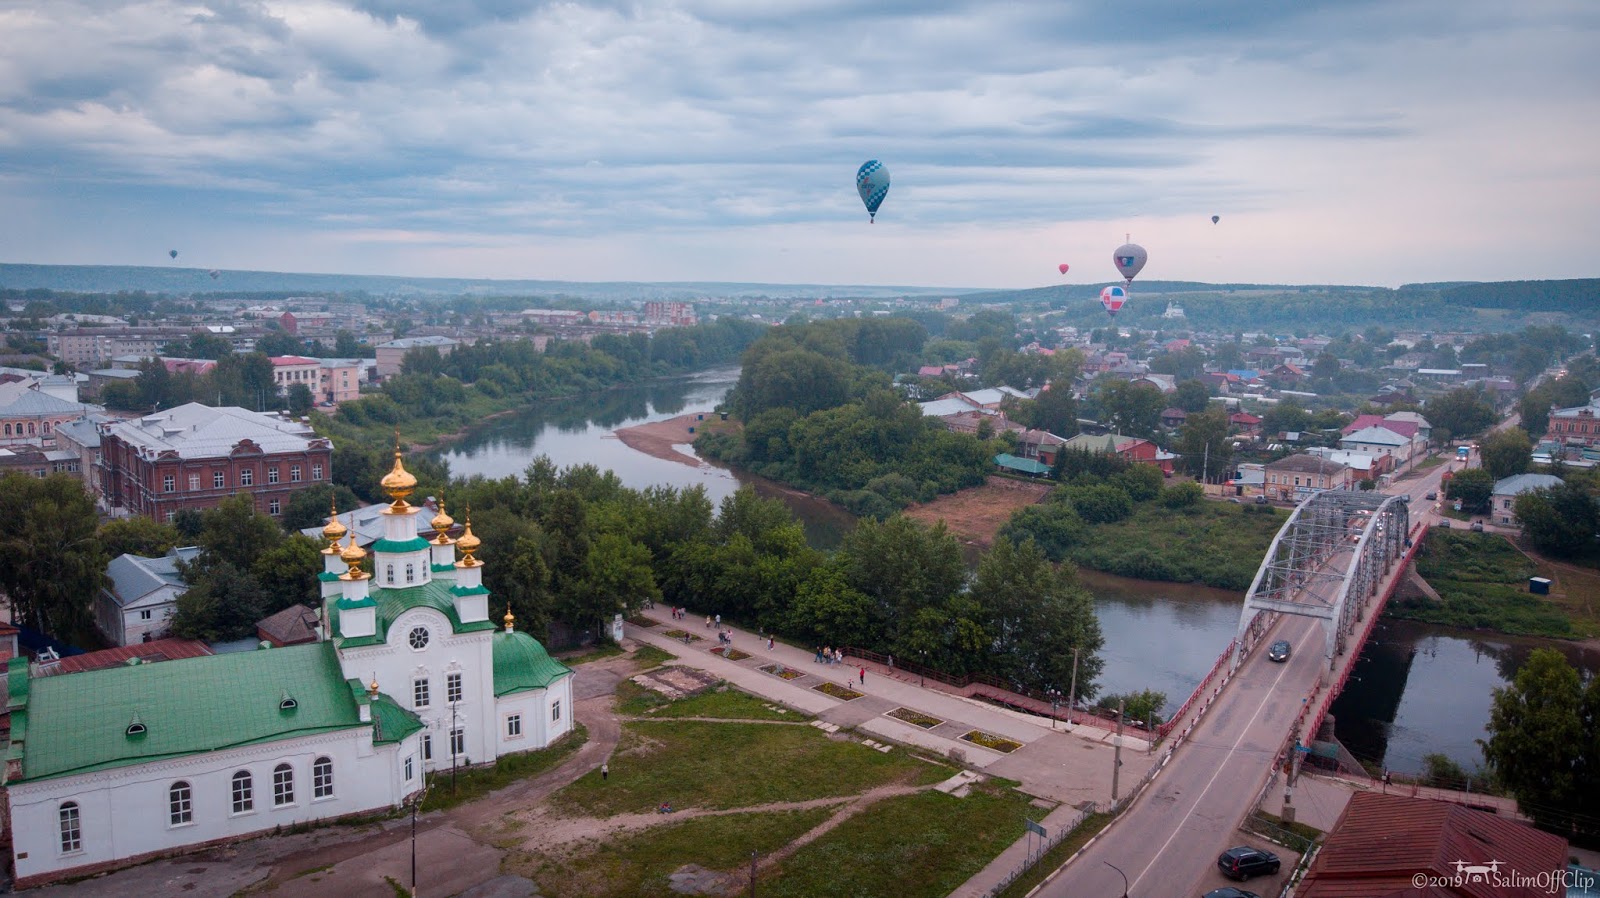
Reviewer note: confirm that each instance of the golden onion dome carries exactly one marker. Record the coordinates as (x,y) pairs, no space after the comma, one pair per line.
(353,554)
(399,482)
(442,522)
(468,543)
(509,618)
(334,530)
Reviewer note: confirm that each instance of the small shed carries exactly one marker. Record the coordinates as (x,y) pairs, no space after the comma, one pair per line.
(1539,586)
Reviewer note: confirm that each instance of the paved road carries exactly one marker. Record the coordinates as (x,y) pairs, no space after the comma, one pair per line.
(1168,841)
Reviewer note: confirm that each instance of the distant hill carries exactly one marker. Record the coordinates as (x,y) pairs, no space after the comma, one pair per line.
(184,281)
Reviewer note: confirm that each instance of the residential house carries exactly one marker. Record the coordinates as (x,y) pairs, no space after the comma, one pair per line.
(1576,426)
(392,354)
(1424,428)
(1040,445)
(294,625)
(172,648)
(1166,383)
(1249,480)
(1245,423)
(1503,500)
(288,370)
(339,380)
(1365,465)
(1173,417)
(1133,449)
(1383,844)
(141,598)
(29,415)
(1297,476)
(1379,441)
(194,456)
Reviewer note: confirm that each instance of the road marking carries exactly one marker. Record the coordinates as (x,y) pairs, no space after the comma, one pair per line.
(1235,747)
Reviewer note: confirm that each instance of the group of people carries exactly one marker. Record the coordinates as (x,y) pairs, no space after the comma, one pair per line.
(829,655)
(679,613)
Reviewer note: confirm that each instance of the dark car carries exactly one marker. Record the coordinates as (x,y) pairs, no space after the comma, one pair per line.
(1278,651)
(1431,496)
(1230,892)
(1244,862)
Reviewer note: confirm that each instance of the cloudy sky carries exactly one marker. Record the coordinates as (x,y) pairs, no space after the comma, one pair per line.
(1340,141)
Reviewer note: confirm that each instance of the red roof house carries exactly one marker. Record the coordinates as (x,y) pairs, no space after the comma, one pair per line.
(1382,844)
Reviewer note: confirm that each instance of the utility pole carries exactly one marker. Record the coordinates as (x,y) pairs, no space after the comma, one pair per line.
(1072,692)
(1117,766)
(752,874)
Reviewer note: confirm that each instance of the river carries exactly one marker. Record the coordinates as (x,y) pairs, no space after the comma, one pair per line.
(1417,689)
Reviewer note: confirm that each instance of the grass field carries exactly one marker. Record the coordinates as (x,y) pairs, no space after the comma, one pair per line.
(1482,581)
(473,784)
(920,845)
(634,700)
(1216,543)
(913,845)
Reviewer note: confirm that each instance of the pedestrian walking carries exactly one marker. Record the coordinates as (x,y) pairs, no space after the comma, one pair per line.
(818,658)
(708,622)
(605,771)
(838,656)
(863,676)
(891,662)
(719,620)
(827,654)
(769,643)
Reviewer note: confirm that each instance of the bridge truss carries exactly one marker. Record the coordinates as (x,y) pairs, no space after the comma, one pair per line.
(1325,562)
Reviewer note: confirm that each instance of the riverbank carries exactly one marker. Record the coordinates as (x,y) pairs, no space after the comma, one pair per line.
(976,514)
(661,439)
(1482,583)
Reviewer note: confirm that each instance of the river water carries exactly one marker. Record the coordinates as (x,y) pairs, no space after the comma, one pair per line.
(1417,688)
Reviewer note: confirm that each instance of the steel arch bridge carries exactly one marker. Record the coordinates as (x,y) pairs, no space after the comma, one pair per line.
(1327,559)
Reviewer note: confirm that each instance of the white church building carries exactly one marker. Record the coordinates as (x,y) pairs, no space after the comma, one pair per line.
(111,767)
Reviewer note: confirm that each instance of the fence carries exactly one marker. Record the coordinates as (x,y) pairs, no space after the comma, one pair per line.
(1032,701)
(1046,845)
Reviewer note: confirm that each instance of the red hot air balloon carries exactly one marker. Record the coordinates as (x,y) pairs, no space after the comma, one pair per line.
(1063,266)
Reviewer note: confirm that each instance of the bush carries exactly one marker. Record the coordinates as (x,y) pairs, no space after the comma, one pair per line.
(1102,504)
(1182,495)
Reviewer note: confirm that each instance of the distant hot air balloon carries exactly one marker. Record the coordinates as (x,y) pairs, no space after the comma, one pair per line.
(214,274)
(173,253)
(872,182)
(1130,259)
(1215,219)
(1063,266)
(1112,298)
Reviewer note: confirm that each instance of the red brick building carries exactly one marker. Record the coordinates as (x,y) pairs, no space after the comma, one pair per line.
(194,456)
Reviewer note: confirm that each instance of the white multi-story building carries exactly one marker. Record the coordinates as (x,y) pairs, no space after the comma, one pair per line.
(111,767)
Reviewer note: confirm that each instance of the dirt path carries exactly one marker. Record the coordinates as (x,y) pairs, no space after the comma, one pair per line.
(975,515)
(782,723)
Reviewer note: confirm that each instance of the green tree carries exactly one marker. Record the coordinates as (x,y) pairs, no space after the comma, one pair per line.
(235,531)
(1473,487)
(902,566)
(278,343)
(827,611)
(1561,520)
(1182,495)
(1285,417)
(1036,614)
(138,535)
(122,396)
(54,564)
(1506,452)
(1537,741)
(1461,412)
(1054,410)
(1100,503)
(1203,445)
(346,346)
(1192,396)
(1130,408)
(309,507)
(300,399)
(223,602)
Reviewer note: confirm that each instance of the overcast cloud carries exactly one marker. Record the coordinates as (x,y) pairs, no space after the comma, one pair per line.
(1348,142)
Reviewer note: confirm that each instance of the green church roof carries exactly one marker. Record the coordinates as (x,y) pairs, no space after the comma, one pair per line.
(191,705)
(391,603)
(521,663)
(394,722)
(400,545)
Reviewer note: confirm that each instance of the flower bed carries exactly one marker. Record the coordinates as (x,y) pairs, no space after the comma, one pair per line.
(997,743)
(646,622)
(778,670)
(915,718)
(732,654)
(843,693)
(680,634)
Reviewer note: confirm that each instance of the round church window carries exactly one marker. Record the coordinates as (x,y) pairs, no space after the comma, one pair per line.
(419,638)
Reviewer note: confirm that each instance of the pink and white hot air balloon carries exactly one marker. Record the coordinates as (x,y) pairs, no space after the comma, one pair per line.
(1063,266)
(1112,298)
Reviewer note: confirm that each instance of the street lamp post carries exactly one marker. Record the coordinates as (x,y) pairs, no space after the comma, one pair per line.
(922,674)
(1055,703)
(1120,873)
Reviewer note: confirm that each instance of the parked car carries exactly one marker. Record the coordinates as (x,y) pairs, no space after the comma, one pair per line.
(1477,526)
(1279,651)
(1243,862)
(1262,500)
(1445,524)
(1230,892)
(1431,497)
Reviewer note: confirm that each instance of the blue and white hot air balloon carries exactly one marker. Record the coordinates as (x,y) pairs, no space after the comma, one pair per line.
(872,182)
